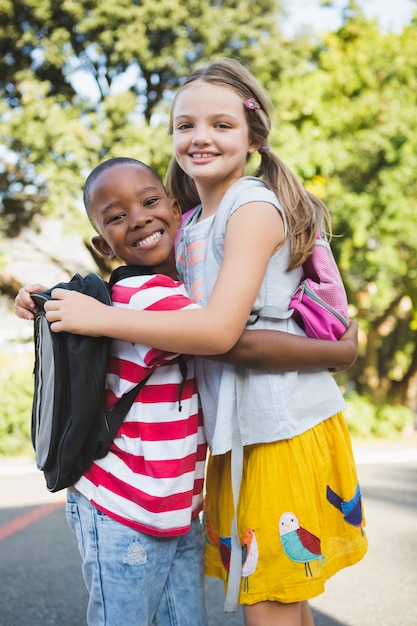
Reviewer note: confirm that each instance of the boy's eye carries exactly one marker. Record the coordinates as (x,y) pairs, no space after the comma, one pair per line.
(116,218)
(150,201)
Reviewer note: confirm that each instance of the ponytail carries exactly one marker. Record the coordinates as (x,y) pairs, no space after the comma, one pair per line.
(181,187)
(305,214)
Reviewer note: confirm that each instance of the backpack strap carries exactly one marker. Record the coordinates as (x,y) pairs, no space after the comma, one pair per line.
(236,469)
(115,416)
(184,371)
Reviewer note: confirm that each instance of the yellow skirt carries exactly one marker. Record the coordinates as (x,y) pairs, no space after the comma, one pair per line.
(300,516)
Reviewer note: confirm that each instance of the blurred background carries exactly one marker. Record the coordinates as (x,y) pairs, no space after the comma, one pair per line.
(82,81)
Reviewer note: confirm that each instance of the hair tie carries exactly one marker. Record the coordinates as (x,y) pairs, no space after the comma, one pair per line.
(251,104)
(264,148)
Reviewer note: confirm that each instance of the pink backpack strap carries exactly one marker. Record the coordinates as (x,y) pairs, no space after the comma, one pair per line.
(185,217)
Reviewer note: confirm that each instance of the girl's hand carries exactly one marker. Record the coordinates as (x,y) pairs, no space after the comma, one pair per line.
(75,312)
(24,306)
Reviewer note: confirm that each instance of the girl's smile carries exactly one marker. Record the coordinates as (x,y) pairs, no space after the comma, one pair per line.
(203,155)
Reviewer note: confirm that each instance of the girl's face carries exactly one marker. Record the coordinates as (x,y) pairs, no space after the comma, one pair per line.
(135,218)
(211,134)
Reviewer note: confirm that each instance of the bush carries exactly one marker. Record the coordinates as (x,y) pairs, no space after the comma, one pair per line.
(366,420)
(16,392)
(391,420)
(360,416)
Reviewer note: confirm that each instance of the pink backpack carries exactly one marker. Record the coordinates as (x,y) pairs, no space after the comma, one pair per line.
(320,304)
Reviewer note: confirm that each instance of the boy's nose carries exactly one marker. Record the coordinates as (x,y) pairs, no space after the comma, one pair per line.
(140,218)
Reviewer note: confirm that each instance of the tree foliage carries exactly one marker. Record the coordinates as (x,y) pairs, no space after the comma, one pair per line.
(347,127)
(83,80)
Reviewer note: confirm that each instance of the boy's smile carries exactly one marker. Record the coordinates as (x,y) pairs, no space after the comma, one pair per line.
(135,218)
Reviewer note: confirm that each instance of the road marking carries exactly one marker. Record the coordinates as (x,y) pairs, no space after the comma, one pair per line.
(19,523)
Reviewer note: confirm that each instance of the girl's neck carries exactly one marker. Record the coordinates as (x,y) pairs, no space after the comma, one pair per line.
(211,196)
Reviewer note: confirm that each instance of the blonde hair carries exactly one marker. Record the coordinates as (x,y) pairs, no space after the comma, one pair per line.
(305,213)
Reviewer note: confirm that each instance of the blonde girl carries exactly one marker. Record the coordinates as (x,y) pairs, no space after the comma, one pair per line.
(296,518)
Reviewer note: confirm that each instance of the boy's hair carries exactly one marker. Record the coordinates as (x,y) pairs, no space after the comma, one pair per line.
(95,173)
(305,213)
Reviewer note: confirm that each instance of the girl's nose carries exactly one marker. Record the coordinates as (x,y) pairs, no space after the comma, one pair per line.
(201,136)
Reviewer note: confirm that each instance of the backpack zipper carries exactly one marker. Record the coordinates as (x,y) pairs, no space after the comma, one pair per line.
(305,288)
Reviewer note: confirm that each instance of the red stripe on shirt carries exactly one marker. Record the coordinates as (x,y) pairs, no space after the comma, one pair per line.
(171,502)
(172,468)
(160,431)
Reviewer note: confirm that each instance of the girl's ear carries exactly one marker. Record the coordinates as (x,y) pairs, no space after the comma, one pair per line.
(102,246)
(254,147)
(176,209)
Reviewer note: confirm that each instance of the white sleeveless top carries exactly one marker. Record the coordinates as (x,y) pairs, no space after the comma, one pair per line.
(273,406)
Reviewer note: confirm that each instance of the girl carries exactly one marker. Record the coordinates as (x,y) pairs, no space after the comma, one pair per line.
(298,509)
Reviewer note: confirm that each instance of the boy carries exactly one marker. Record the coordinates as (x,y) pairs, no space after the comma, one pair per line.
(135,512)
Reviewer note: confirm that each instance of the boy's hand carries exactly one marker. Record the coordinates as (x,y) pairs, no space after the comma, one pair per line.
(350,342)
(74,312)
(24,306)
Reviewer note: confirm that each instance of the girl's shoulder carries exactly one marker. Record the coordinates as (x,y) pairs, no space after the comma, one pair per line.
(246,189)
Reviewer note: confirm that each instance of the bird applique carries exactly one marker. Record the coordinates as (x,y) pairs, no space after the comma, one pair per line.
(351,509)
(225,548)
(224,544)
(249,555)
(299,544)
(209,534)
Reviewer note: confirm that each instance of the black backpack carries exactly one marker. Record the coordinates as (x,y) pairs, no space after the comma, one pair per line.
(70,426)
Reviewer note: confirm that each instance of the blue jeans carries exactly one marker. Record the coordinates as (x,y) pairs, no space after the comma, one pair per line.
(136,579)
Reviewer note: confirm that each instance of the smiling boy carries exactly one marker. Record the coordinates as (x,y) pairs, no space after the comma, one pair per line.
(135,512)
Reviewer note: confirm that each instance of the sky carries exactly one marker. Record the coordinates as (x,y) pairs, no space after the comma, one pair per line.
(391,14)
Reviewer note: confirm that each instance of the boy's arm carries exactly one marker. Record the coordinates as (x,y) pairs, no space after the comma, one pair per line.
(280,351)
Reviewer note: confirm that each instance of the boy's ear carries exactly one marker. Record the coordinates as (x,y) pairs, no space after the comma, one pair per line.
(176,209)
(102,246)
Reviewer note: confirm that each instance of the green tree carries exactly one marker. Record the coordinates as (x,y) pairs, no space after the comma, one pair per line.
(347,127)
(131,55)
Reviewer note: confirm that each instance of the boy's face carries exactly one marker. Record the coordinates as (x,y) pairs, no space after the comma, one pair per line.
(136,220)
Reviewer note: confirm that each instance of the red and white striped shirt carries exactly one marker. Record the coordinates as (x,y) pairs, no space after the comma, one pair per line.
(152,478)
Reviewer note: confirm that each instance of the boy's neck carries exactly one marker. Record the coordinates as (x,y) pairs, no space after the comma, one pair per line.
(125,271)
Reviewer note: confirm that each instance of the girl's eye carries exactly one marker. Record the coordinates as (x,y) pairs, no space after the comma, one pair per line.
(150,201)
(184,126)
(222,125)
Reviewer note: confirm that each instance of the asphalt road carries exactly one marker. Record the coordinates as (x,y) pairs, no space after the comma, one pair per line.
(40,575)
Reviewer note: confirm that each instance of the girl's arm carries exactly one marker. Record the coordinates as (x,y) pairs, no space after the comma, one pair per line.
(260,349)
(254,232)
(280,351)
